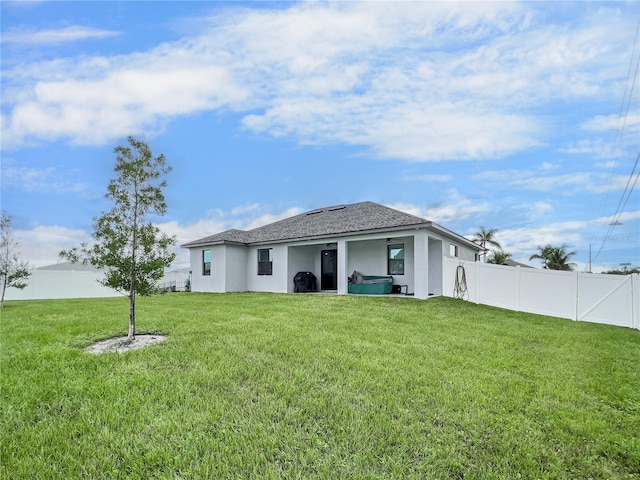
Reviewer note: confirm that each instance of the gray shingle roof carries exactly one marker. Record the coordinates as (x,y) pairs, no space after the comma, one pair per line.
(324,222)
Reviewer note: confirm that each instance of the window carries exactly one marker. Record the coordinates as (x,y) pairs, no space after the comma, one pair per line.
(206,262)
(265,261)
(395,259)
(453,250)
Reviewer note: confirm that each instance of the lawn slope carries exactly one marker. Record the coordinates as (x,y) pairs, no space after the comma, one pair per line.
(315,386)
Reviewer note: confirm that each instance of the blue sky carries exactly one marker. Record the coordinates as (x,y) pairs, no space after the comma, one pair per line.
(523,117)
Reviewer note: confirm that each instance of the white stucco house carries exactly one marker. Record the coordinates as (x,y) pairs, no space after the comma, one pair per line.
(331,243)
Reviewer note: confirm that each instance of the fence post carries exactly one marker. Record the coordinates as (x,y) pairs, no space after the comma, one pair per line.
(517,299)
(575,317)
(635,301)
(476,280)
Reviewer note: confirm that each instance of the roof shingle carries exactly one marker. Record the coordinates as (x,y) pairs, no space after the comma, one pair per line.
(324,222)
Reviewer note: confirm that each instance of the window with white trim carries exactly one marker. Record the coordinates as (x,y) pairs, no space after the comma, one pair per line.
(453,250)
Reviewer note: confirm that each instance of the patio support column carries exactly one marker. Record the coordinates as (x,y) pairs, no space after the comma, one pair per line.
(342,267)
(420,265)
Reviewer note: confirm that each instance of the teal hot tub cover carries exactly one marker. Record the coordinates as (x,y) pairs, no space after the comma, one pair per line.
(369,284)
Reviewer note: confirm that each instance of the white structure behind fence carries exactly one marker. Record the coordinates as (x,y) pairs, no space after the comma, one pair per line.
(51,283)
(45,284)
(588,297)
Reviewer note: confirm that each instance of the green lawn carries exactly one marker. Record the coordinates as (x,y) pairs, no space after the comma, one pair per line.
(315,386)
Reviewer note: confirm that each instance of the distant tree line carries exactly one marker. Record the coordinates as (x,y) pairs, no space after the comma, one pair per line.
(553,257)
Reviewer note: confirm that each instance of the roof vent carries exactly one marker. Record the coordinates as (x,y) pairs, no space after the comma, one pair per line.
(337,207)
(313,212)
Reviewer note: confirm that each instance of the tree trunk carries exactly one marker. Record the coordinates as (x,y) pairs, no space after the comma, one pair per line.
(4,287)
(132,300)
(134,252)
(132,315)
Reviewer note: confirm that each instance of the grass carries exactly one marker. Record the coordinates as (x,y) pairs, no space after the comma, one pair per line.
(314,386)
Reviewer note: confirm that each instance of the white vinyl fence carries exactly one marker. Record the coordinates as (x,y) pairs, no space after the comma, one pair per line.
(45,284)
(588,297)
(52,284)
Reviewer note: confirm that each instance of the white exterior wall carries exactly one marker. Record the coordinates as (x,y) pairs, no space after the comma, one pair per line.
(464,253)
(343,268)
(277,282)
(435,247)
(369,257)
(235,269)
(208,283)
(421,255)
(302,259)
(364,253)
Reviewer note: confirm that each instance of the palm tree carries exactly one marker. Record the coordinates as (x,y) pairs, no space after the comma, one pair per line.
(499,257)
(554,258)
(484,237)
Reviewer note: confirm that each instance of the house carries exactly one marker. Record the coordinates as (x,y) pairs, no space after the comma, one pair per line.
(331,243)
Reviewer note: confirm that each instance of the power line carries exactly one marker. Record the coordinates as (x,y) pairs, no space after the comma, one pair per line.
(623,117)
(621,204)
(628,189)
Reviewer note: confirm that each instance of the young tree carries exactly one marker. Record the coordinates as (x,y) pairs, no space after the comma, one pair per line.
(13,271)
(554,258)
(131,249)
(484,237)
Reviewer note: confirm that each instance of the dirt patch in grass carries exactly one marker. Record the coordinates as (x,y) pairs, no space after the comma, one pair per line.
(123,344)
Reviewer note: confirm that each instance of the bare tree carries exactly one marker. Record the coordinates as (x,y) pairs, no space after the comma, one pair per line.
(13,271)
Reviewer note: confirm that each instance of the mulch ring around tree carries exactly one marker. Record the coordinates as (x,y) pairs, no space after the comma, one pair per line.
(123,344)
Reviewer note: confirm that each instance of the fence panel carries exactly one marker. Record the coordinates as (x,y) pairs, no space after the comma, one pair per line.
(548,292)
(598,298)
(606,299)
(497,286)
(44,284)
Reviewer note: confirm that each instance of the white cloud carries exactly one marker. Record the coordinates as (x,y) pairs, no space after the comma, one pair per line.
(371,74)
(454,208)
(540,181)
(245,209)
(605,123)
(429,178)
(624,217)
(267,218)
(536,210)
(31,179)
(523,242)
(41,245)
(71,33)
(594,147)
(526,240)
(127,99)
